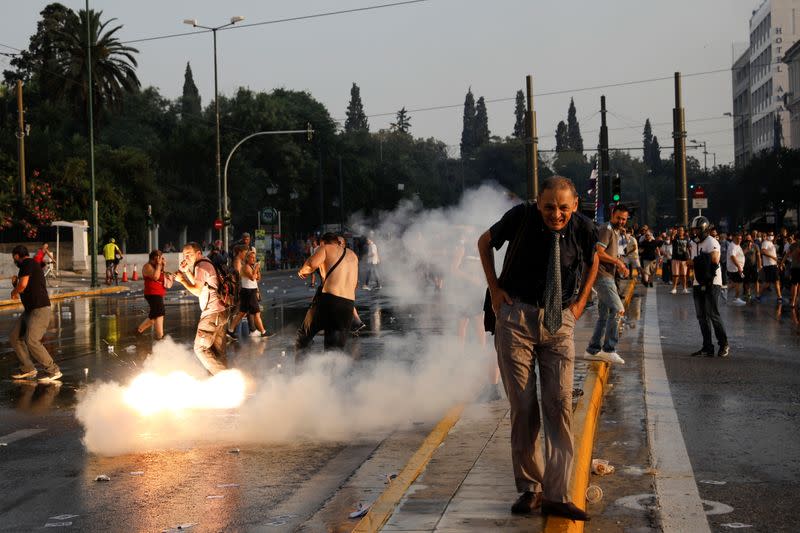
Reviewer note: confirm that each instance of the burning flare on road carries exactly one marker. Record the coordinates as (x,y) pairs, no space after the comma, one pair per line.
(151,393)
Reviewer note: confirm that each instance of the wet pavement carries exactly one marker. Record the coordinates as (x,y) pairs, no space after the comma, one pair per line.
(48,478)
(739,416)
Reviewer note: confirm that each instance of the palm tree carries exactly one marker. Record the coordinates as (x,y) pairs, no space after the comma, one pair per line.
(113,63)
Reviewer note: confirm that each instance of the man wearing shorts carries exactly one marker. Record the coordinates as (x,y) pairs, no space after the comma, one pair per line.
(680,256)
(113,256)
(156,283)
(332,307)
(769,260)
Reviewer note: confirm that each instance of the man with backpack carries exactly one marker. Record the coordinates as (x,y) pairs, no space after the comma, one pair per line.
(707,287)
(200,277)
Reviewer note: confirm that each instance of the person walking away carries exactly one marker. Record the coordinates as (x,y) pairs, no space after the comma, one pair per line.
(706,288)
(632,254)
(680,258)
(603,344)
(249,296)
(649,250)
(26,334)
(735,267)
(156,283)
(199,276)
(113,255)
(331,309)
(465,291)
(373,260)
(548,273)
(769,260)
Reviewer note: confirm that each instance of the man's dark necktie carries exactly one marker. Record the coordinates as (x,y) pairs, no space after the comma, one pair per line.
(552,288)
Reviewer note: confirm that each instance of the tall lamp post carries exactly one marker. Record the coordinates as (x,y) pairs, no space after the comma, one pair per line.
(91,146)
(705,154)
(193,23)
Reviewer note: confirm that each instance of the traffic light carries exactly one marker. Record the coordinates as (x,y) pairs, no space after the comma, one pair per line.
(616,188)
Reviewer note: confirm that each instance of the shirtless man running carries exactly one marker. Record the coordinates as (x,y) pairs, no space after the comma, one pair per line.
(332,310)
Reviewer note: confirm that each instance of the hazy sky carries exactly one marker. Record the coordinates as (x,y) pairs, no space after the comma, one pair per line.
(428,54)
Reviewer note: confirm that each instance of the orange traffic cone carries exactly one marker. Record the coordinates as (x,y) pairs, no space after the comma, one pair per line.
(135,274)
(124,274)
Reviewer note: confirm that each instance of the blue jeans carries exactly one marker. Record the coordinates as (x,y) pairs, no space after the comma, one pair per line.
(609,306)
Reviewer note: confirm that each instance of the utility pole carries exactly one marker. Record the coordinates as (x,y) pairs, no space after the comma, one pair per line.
(21,139)
(679,138)
(532,142)
(604,170)
(91,146)
(321,196)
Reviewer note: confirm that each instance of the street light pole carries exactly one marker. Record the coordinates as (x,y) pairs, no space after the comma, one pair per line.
(222,201)
(91,145)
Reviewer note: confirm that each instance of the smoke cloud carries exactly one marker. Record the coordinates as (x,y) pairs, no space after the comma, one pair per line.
(416,376)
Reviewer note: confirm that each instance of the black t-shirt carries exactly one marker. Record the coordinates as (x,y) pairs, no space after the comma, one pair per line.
(647,250)
(680,249)
(526,275)
(35,294)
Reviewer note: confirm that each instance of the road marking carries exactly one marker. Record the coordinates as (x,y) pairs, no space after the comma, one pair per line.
(18,435)
(384,506)
(679,502)
(646,502)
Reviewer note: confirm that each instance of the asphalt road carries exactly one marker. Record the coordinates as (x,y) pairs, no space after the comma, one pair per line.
(739,416)
(48,478)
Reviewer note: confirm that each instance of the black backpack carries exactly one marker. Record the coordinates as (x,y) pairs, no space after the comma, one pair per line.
(226,283)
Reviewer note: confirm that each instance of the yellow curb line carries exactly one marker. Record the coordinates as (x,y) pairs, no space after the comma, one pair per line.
(585,419)
(72,294)
(384,506)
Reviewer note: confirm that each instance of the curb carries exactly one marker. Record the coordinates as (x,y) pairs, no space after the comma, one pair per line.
(585,419)
(384,506)
(71,294)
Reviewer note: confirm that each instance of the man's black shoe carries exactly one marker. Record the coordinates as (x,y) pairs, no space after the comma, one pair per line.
(527,503)
(724,351)
(702,352)
(564,510)
(231,335)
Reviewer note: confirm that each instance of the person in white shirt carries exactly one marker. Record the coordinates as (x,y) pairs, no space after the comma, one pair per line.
(734,265)
(769,261)
(706,288)
(373,260)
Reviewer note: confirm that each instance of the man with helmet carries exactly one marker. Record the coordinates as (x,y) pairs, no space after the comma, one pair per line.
(707,286)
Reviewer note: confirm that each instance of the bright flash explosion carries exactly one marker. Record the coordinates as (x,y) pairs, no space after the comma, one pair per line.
(151,393)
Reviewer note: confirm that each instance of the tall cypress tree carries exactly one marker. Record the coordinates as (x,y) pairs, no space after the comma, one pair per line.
(519,116)
(655,155)
(468,131)
(574,139)
(356,119)
(562,142)
(647,144)
(481,123)
(190,100)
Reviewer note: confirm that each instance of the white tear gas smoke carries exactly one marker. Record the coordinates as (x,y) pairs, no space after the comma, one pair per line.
(415,378)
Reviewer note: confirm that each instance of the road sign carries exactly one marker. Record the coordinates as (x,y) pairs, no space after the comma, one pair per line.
(699,200)
(698,192)
(217,224)
(269,215)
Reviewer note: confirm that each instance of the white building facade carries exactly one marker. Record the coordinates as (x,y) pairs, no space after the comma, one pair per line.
(774,29)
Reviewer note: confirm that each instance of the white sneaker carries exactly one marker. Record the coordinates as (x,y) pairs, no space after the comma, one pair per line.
(685,291)
(738,302)
(608,357)
(674,291)
(365,288)
(24,375)
(51,378)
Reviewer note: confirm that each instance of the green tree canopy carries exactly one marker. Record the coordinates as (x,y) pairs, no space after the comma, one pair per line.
(402,123)
(190,99)
(562,142)
(574,139)
(481,123)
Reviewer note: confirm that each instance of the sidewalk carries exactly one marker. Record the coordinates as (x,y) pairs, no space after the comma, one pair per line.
(468,484)
(69,285)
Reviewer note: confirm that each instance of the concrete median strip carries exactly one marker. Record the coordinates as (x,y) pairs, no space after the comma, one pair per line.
(71,294)
(585,417)
(384,506)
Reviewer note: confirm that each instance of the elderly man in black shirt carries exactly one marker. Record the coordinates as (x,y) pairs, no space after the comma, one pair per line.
(548,272)
(26,335)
